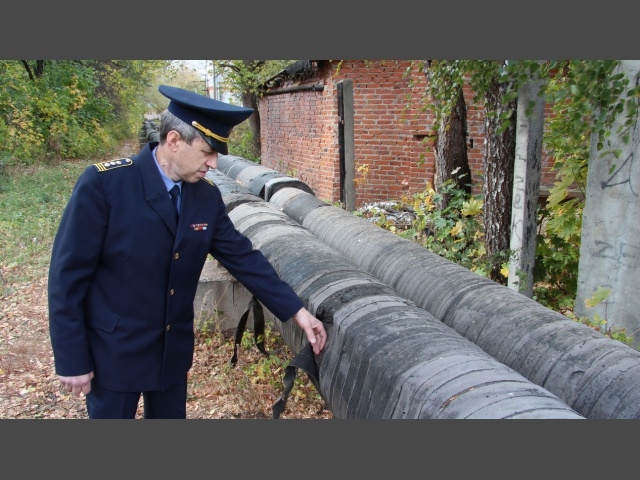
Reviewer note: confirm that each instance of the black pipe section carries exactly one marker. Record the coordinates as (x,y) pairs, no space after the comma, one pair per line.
(595,375)
(385,357)
(148,133)
(261,181)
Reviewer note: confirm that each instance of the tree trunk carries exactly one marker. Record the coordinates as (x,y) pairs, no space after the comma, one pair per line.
(451,148)
(499,156)
(249,100)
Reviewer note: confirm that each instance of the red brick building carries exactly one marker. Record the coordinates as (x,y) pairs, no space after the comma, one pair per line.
(302,121)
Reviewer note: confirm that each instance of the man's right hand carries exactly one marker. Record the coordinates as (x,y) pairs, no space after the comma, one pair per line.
(78,384)
(314,328)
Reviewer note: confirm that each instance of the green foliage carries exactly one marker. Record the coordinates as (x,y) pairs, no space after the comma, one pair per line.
(586,98)
(591,94)
(54,109)
(557,257)
(32,198)
(599,323)
(454,232)
(453,229)
(271,368)
(599,296)
(447,77)
(248,76)
(241,143)
(175,73)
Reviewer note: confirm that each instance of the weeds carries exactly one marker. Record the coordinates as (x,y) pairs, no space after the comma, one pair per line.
(33,199)
(256,381)
(453,229)
(599,323)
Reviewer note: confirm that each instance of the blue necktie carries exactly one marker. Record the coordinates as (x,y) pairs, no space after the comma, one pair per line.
(175,194)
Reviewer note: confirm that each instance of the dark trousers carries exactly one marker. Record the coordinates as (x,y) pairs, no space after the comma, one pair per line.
(169,403)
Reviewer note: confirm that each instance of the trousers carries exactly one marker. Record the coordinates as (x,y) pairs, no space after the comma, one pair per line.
(170,403)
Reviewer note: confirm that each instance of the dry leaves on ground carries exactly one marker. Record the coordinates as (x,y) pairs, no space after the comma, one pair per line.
(29,388)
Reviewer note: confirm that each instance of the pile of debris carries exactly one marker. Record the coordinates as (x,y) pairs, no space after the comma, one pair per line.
(388,213)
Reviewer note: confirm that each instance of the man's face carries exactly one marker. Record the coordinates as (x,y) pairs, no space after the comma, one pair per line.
(193,161)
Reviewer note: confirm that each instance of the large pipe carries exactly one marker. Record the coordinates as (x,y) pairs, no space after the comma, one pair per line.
(385,357)
(597,376)
(261,181)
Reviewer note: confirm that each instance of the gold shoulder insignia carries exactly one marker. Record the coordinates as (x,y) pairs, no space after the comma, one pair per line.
(209,181)
(110,165)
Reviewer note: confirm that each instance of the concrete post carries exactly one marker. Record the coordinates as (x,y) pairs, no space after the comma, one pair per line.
(526,187)
(610,244)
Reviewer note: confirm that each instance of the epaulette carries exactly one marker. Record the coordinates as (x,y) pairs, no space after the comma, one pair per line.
(209,181)
(111,164)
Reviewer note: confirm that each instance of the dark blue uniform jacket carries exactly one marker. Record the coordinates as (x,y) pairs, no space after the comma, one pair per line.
(123,276)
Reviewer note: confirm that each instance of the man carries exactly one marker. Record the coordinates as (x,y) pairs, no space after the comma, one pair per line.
(125,266)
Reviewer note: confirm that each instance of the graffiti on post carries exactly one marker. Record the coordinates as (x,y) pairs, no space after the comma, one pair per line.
(624,174)
(622,253)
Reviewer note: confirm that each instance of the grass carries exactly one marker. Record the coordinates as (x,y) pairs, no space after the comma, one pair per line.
(32,199)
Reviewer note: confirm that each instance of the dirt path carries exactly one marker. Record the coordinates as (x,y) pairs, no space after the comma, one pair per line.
(29,387)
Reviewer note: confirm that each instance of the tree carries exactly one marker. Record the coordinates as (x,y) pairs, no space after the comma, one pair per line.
(498,161)
(589,99)
(246,77)
(70,108)
(175,73)
(450,149)
(494,88)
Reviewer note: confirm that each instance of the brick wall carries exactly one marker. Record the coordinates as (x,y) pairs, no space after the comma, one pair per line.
(392,132)
(299,135)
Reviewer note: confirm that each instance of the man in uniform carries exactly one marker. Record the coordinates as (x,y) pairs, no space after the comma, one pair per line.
(125,265)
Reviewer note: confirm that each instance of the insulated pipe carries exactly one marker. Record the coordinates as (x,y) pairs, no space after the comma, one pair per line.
(226,184)
(233,194)
(152,132)
(602,383)
(259,180)
(385,357)
(597,376)
(231,165)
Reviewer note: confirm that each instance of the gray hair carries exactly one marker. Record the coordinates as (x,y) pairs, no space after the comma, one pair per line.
(168,122)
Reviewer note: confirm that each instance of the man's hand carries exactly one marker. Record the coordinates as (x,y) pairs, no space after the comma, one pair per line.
(78,384)
(314,328)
